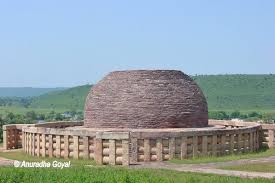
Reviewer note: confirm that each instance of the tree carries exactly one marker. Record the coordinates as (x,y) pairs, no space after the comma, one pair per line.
(235,114)
(254,114)
(10,116)
(218,115)
(59,117)
(31,115)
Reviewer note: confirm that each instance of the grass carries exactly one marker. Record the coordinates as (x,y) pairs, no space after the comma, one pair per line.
(259,154)
(72,98)
(80,173)
(238,92)
(21,156)
(112,174)
(256,167)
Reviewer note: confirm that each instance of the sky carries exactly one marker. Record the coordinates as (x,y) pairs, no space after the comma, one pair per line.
(68,43)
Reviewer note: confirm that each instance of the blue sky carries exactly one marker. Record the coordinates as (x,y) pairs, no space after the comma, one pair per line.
(69,43)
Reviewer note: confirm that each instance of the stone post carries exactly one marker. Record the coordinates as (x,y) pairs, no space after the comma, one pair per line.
(257,140)
(66,146)
(159,149)
(23,141)
(27,142)
(38,145)
(246,142)
(58,146)
(134,150)
(232,143)
(147,154)
(86,147)
(251,146)
(5,139)
(204,145)
(271,138)
(98,151)
(223,144)
(33,144)
(50,149)
(171,148)
(112,152)
(183,147)
(254,140)
(239,142)
(43,145)
(15,138)
(214,145)
(125,155)
(195,146)
(76,147)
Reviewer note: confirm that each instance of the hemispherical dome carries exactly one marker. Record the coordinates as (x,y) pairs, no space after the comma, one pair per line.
(146,99)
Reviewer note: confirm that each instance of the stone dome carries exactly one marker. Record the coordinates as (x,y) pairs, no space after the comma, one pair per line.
(146,99)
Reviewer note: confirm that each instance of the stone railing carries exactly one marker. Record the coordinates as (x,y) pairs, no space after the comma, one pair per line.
(12,134)
(103,147)
(181,144)
(126,146)
(268,135)
(116,147)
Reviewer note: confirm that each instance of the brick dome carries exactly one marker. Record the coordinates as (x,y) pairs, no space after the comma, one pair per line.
(146,99)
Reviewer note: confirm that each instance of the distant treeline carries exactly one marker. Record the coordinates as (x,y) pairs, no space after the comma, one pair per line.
(15,101)
(252,116)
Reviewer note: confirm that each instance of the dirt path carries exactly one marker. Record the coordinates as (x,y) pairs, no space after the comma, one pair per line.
(213,168)
(5,162)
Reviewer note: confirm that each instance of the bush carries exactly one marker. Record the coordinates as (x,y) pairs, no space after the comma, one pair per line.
(221,115)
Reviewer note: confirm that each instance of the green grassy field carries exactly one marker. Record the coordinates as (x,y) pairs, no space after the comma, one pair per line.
(81,173)
(19,155)
(238,92)
(70,99)
(257,167)
(112,174)
(260,154)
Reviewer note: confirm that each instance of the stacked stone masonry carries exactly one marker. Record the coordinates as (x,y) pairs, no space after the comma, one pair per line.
(146,99)
(268,135)
(117,147)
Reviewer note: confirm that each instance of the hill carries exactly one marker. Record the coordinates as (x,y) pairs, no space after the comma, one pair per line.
(223,92)
(238,92)
(25,91)
(69,99)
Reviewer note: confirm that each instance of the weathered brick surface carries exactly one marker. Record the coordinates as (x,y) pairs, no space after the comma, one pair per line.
(146,99)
